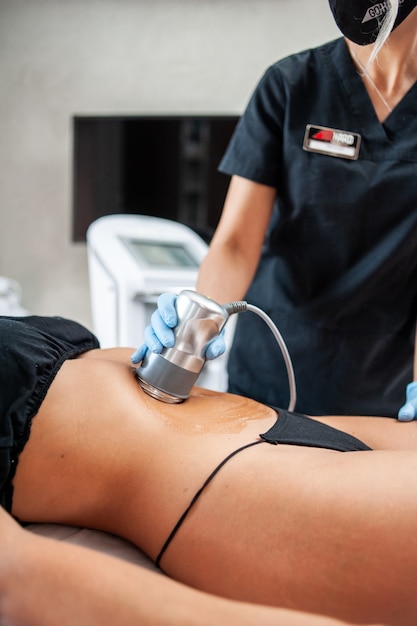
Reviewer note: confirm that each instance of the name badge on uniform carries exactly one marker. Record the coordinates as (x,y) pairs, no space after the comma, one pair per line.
(338,143)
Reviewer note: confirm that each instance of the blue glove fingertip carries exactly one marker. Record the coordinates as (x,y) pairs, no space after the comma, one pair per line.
(407,413)
(216,348)
(139,354)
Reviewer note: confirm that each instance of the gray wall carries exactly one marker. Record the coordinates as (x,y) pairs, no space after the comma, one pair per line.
(64,57)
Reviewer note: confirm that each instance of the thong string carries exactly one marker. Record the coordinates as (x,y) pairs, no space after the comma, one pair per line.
(196,497)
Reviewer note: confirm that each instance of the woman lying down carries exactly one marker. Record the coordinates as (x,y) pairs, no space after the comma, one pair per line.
(226,495)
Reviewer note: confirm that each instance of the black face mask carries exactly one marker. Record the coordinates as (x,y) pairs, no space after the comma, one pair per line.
(360,20)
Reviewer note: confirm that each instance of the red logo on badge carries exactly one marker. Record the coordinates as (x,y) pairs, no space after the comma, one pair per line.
(324,135)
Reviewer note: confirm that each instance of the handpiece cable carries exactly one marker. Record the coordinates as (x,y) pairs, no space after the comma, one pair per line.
(241,306)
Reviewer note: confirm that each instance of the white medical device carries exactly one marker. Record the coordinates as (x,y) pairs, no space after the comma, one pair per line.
(132,259)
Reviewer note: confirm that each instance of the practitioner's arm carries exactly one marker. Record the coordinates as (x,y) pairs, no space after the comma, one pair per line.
(44,582)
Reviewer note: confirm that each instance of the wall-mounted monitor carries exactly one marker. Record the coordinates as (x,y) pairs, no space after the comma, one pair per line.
(163,166)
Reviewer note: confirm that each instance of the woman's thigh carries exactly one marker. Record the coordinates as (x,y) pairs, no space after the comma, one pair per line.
(306,528)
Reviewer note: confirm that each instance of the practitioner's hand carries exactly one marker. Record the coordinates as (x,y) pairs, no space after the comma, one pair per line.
(160,334)
(408,412)
(217,347)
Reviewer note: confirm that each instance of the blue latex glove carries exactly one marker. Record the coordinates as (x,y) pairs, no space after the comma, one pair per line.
(159,333)
(408,412)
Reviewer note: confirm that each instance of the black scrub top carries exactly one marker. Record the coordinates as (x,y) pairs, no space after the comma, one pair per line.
(338,273)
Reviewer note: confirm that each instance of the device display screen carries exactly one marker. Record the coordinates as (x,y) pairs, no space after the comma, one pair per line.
(160,254)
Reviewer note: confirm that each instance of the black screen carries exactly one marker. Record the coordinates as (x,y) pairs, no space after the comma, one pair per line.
(160,166)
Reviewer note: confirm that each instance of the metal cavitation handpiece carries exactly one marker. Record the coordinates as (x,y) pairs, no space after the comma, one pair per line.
(170,375)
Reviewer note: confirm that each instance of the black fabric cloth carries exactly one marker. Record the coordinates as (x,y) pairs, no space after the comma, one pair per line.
(300,430)
(338,273)
(32,349)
